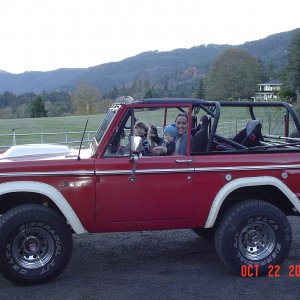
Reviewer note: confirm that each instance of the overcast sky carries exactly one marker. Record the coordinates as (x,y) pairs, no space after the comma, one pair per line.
(44,35)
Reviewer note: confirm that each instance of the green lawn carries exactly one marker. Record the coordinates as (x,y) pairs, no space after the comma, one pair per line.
(46,125)
(54,124)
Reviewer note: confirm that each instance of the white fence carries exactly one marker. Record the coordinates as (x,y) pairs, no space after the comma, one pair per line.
(67,138)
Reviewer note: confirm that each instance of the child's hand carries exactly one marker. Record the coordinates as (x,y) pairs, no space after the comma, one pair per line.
(159,150)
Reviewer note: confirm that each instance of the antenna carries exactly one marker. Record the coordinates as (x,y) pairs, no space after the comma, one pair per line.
(78,157)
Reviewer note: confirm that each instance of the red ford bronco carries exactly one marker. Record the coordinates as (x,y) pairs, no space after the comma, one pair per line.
(237,184)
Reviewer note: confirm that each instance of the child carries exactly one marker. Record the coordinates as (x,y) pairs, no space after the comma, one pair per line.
(141,129)
(168,143)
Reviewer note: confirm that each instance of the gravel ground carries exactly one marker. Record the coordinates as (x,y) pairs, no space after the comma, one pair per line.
(173,264)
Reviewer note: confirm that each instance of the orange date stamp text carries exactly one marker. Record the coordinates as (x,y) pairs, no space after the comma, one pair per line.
(273,271)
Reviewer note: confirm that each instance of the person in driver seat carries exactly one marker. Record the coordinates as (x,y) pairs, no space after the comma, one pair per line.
(141,129)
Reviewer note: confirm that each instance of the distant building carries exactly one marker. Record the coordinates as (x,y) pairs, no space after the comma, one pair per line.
(268,91)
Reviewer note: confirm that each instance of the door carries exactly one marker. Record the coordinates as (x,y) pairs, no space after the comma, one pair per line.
(160,195)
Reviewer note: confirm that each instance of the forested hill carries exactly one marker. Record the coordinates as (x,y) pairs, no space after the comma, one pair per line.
(154,66)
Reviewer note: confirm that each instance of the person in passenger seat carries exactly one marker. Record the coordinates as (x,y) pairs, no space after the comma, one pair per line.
(181,123)
(168,142)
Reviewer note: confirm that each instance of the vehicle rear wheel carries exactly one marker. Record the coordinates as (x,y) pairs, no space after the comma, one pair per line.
(35,244)
(253,232)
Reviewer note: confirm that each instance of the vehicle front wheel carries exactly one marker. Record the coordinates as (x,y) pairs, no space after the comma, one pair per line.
(35,244)
(255,233)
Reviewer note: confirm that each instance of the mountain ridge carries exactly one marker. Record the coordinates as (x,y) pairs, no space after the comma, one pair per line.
(155,66)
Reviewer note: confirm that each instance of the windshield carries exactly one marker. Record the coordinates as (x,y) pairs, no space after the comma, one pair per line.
(104,125)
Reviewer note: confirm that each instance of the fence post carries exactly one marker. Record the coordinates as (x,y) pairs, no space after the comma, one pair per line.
(14,137)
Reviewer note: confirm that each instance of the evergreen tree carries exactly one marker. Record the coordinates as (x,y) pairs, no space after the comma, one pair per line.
(271,72)
(148,94)
(38,109)
(200,92)
(291,72)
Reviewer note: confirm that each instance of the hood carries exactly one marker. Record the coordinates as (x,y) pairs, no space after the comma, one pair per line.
(36,151)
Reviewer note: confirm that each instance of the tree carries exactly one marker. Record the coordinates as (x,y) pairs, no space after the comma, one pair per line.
(234,74)
(139,87)
(104,105)
(148,94)
(38,109)
(22,111)
(84,99)
(57,103)
(7,99)
(291,72)
(271,72)
(200,92)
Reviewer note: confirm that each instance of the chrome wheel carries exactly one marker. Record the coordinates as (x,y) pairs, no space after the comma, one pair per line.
(35,244)
(253,232)
(257,240)
(33,248)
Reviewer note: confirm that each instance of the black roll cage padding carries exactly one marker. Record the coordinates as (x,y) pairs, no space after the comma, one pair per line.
(214,125)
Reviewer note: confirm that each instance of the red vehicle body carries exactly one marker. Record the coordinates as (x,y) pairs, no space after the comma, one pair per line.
(49,191)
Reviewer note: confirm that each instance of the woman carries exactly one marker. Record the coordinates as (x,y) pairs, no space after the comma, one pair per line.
(181,123)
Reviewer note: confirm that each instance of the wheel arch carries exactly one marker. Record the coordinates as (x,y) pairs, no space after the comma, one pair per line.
(40,189)
(256,184)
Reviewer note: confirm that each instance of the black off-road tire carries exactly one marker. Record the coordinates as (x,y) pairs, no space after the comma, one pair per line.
(205,233)
(253,232)
(35,244)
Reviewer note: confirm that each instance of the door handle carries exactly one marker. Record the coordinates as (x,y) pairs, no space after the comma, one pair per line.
(184,161)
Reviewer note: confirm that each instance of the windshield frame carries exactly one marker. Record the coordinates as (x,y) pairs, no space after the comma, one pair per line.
(105,124)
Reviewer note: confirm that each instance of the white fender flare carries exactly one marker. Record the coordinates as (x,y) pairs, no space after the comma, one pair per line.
(244,182)
(50,192)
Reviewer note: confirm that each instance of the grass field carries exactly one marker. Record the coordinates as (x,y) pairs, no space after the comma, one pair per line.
(46,125)
(54,124)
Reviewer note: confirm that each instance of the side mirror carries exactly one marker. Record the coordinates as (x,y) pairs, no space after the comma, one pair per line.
(136,147)
(136,144)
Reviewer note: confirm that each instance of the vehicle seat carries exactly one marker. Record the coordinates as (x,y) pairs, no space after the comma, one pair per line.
(196,129)
(200,139)
(251,135)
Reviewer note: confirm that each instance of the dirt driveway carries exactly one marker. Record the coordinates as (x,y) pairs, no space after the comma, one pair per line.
(157,265)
